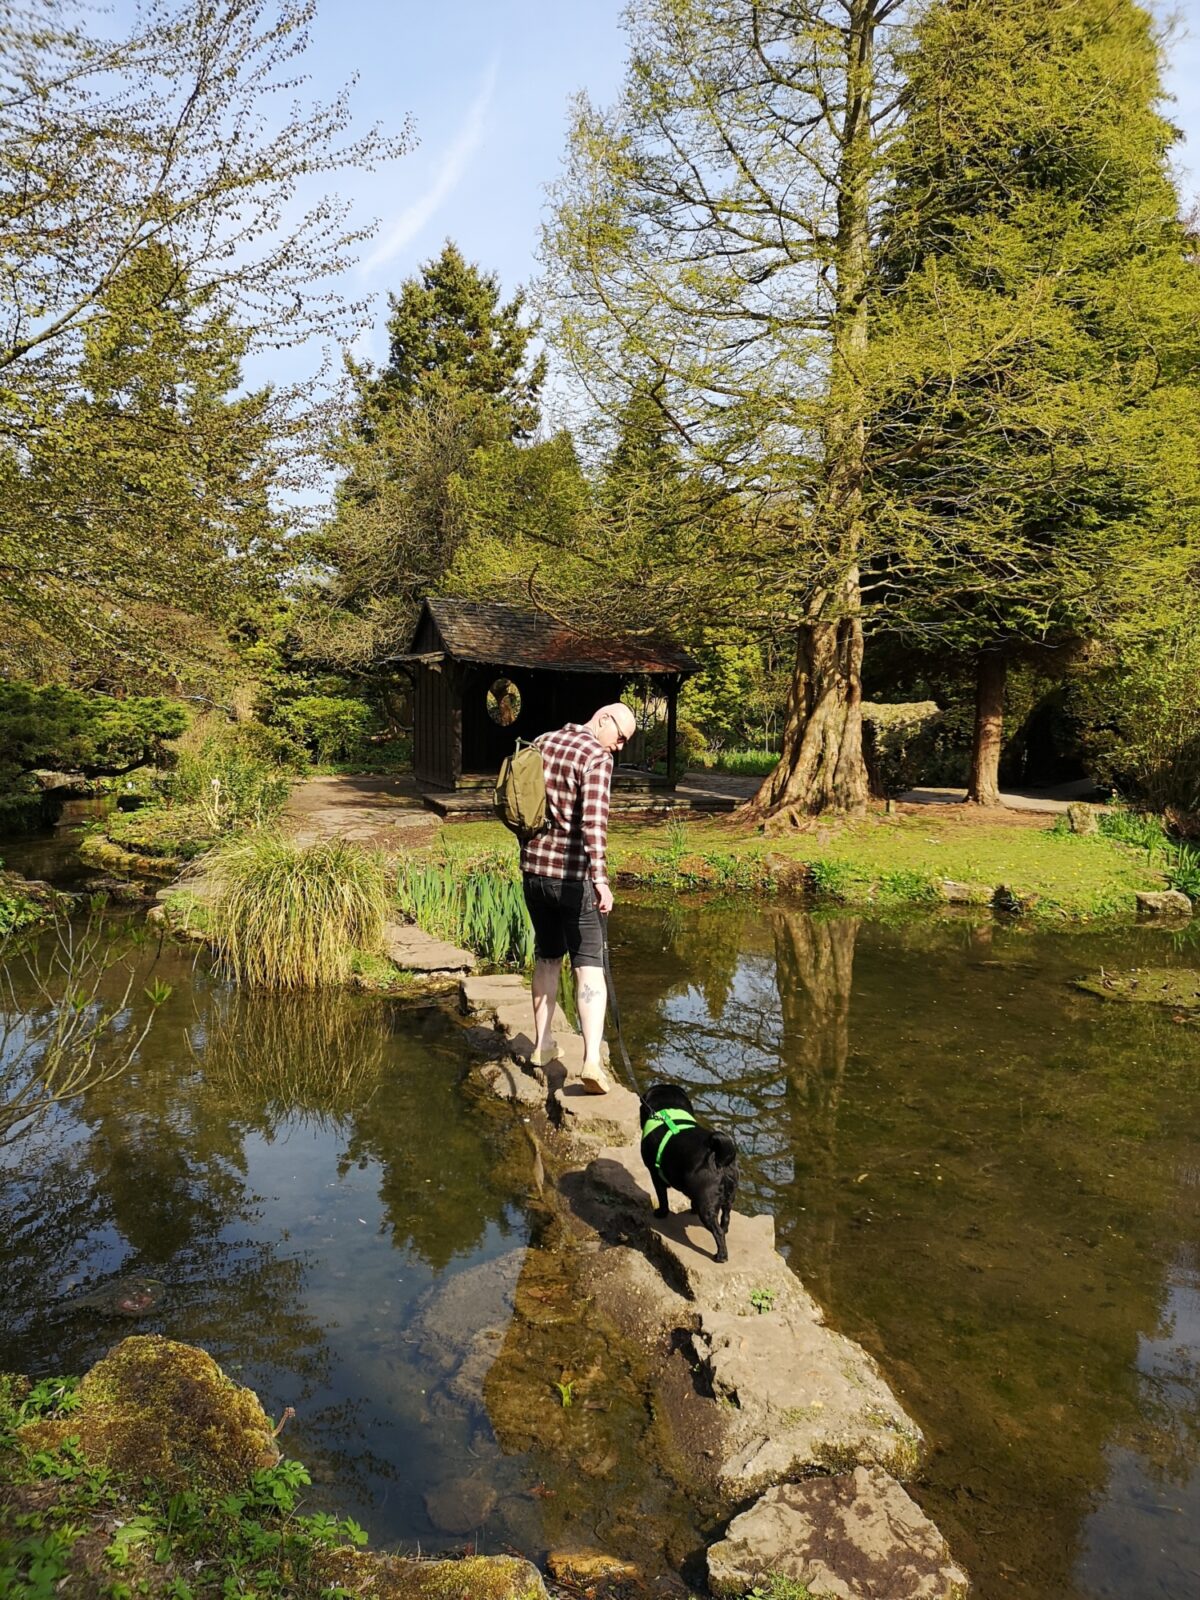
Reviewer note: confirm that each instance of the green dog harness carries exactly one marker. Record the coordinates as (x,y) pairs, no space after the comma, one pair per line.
(673,1122)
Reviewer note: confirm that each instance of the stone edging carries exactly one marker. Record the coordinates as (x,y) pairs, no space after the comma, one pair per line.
(769,1396)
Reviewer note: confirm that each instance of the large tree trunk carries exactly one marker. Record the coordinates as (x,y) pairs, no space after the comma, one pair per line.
(983,787)
(821,765)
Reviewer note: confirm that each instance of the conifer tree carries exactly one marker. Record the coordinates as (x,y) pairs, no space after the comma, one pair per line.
(459,389)
(1035,349)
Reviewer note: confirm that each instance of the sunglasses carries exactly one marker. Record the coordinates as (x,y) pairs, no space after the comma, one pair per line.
(622,738)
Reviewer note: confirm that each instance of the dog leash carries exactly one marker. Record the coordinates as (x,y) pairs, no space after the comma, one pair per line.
(611,998)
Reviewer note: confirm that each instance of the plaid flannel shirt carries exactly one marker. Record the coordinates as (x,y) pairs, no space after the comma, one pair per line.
(574,842)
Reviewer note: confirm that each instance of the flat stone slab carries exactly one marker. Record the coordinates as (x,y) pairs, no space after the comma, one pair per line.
(857,1536)
(415,950)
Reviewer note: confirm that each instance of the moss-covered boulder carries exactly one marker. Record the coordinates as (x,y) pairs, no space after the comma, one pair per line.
(398,1578)
(153,1408)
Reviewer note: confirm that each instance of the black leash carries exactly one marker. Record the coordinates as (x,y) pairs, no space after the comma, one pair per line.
(611,995)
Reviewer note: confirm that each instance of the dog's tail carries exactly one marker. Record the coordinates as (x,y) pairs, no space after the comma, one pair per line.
(722,1150)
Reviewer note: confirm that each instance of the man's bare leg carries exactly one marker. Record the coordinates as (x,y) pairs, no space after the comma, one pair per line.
(545,998)
(590,997)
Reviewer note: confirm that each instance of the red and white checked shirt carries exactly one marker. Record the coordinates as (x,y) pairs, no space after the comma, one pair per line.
(574,842)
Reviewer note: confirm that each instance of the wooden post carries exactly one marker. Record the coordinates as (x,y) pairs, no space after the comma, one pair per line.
(672,692)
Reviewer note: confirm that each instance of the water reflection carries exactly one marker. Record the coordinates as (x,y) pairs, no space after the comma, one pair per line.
(299,1172)
(975,1168)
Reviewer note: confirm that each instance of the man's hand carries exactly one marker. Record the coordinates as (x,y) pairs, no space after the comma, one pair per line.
(604,899)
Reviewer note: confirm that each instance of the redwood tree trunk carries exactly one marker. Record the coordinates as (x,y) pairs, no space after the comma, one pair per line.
(821,765)
(983,787)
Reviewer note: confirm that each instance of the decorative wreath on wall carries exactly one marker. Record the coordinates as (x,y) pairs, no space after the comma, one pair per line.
(504,702)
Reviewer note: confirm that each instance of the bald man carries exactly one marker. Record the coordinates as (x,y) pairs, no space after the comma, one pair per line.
(565,872)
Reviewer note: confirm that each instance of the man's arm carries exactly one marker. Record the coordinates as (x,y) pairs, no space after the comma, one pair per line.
(597,785)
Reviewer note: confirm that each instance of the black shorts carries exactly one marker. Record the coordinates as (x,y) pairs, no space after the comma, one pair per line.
(566,920)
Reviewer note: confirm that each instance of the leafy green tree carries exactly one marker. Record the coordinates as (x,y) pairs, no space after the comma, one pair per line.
(150,486)
(448,333)
(169,141)
(712,242)
(458,382)
(67,731)
(1031,469)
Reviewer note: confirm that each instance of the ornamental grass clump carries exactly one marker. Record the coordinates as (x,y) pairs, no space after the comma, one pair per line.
(291,916)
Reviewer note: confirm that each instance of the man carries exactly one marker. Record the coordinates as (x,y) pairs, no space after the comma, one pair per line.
(566,880)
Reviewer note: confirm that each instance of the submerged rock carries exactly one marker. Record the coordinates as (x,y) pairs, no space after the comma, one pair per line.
(854,1537)
(1177,987)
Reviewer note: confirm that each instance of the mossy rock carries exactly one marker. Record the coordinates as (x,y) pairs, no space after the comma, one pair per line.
(97,851)
(1177,987)
(155,1408)
(397,1578)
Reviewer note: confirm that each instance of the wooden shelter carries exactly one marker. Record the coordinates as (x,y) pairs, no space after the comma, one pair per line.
(485,675)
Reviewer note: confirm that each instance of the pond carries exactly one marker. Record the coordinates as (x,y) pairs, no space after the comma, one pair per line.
(987,1177)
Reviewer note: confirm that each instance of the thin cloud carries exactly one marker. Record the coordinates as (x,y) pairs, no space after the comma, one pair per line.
(450,170)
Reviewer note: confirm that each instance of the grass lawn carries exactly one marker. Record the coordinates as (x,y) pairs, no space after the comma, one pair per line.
(881,859)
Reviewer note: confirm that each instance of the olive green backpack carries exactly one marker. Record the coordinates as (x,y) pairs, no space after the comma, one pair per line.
(520,798)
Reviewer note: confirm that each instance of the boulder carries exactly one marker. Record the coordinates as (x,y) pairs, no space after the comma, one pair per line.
(1082,818)
(853,1537)
(153,1408)
(1163,903)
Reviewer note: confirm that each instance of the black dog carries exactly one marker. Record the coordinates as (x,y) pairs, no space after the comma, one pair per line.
(682,1155)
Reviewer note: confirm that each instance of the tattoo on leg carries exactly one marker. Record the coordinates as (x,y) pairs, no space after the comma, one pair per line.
(586,992)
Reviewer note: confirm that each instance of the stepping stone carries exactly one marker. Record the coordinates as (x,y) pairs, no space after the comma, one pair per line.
(415,950)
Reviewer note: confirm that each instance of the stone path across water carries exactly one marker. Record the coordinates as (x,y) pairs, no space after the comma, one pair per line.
(770,1394)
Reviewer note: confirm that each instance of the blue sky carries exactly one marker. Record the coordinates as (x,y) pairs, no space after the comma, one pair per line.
(487,83)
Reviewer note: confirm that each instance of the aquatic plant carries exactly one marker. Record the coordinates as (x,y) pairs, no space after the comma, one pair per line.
(482,909)
(291,916)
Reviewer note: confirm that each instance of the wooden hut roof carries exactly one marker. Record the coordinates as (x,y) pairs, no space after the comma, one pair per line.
(507,636)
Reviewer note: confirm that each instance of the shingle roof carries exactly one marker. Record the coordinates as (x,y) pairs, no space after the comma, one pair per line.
(506,636)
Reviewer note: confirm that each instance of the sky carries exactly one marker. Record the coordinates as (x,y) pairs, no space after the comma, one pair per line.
(487,84)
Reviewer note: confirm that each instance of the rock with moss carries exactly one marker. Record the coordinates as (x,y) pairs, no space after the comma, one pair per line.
(153,1408)
(400,1578)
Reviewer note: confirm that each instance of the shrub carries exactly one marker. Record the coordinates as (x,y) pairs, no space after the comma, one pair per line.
(328,727)
(898,744)
(227,783)
(289,916)
(68,731)
(747,763)
(1140,718)
(690,744)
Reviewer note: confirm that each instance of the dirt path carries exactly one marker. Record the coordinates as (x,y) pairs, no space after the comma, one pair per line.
(383,812)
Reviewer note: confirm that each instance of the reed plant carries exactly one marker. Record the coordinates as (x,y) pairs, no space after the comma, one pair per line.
(291,916)
(480,908)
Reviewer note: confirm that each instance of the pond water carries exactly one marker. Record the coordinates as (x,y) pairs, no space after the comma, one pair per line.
(987,1177)
(992,1181)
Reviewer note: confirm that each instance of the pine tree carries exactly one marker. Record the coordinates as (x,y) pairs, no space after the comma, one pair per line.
(1036,344)
(458,386)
